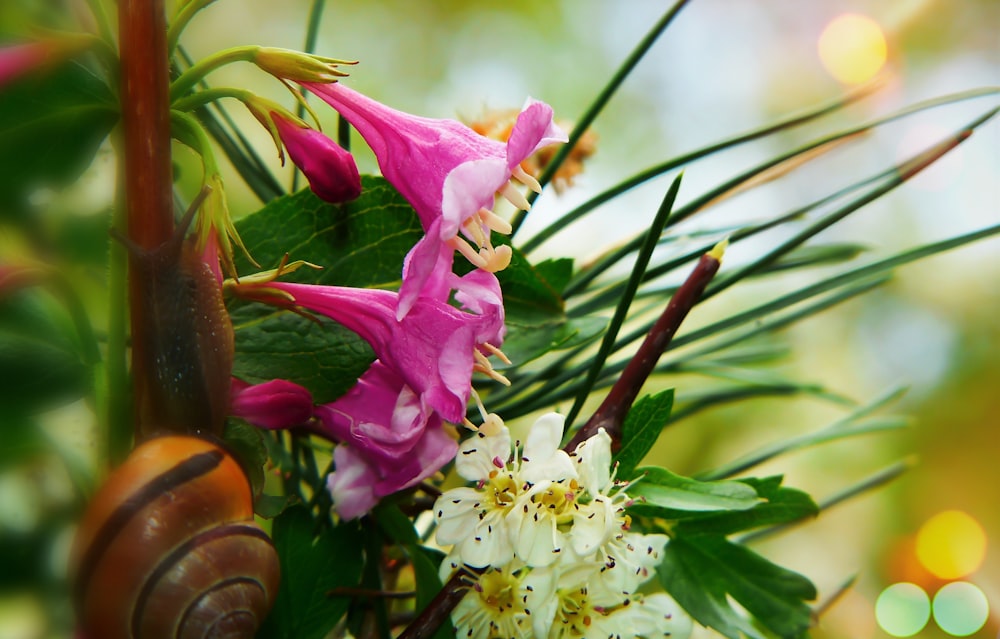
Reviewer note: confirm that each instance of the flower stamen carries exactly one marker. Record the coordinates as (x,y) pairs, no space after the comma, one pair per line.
(526,179)
(515,197)
(484,366)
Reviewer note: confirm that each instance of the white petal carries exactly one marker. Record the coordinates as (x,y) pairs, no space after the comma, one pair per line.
(535,533)
(479,455)
(593,525)
(488,544)
(593,458)
(542,458)
(456,514)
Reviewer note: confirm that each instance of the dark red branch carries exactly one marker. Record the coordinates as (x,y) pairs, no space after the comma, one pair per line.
(145,90)
(439,609)
(611,414)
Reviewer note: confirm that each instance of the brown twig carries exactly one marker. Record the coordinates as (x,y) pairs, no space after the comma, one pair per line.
(439,609)
(611,414)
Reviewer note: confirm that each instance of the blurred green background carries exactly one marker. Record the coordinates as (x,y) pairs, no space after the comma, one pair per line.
(723,67)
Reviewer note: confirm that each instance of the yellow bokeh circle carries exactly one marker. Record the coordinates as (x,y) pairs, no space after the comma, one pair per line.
(951,545)
(852,48)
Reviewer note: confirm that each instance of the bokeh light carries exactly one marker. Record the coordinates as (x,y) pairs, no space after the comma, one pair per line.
(902,609)
(960,608)
(951,544)
(852,48)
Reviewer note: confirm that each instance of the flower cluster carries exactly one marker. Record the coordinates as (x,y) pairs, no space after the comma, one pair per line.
(392,426)
(548,536)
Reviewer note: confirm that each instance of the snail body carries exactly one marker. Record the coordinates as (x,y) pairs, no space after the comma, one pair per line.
(187,344)
(169,548)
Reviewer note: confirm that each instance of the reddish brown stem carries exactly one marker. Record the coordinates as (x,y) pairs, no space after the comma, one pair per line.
(145,104)
(611,414)
(439,609)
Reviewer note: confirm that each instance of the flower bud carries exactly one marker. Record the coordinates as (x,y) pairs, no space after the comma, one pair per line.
(298,66)
(330,169)
(278,403)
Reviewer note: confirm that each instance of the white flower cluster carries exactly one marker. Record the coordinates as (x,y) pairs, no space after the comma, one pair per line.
(552,543)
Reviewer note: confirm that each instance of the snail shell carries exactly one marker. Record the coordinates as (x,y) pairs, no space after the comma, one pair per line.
(169,548)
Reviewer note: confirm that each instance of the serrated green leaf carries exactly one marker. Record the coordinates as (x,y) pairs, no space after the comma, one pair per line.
(700,572)
(661,489)
(310,567)
(780,505)
(323,356)
(51,124)
(642,427)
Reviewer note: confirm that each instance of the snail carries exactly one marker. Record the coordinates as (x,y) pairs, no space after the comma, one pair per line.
(169,548)
(187,342)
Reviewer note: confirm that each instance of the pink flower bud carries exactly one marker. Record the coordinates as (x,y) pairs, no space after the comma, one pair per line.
(330,169)
(278,403)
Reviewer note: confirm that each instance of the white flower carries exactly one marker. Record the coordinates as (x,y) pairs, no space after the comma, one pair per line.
(601,528)
(506,602)
(517,502)
(585,612)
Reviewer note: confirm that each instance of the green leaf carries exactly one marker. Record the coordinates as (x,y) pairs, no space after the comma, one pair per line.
(700,572)
(40,363)
(642,427)
(361,243)
(781,505)
(246,442)
(661,489)
(51,124)
(395,524)
(310,567)
(535,312)
(321,355)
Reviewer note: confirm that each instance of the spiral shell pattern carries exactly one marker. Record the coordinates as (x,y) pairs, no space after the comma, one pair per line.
(169,548)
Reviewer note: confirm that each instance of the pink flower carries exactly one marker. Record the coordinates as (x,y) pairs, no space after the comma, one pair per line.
(19,58)
(434,349)
(330,169)
(278,403)
(449,173)
(390,440)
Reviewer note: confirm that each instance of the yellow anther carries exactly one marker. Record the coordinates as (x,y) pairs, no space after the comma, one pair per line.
(470,253)
(514,196)
(497,352)
(496,259)
(483,366)
(526,179)
(494,221)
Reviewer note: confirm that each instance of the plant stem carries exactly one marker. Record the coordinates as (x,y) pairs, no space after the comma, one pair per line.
(148,176)
(611,414)
(438,610)
(600,102)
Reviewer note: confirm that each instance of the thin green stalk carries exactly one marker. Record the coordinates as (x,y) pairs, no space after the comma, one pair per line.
(580,211)
(312,34)
(621,312)
(103,21)
(240,152)
(655,171)
(180,22)
(118,405)
(600,102)
(866,485)
(196,73)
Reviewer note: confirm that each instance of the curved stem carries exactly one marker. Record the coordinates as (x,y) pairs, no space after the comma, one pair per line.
(187,81)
